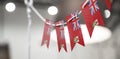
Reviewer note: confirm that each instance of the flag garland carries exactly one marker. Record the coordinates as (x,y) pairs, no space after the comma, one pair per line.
(92,16)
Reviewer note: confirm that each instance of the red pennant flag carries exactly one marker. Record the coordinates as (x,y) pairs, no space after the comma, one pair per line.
(60,36)
(92,15)
(108,3)
(74,30)
(46,34)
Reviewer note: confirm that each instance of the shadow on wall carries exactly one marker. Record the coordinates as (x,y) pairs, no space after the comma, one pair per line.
(4,51)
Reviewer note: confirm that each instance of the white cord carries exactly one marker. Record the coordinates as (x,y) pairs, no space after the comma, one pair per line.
(29,31)
(37,13)
(30,4)
(44,20)
(28,10)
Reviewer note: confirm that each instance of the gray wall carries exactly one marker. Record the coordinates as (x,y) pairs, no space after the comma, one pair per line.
(1,20)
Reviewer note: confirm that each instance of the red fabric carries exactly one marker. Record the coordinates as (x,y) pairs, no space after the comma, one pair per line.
(46,34)
(92,18)
(109,4)
(74,30)
(60,36)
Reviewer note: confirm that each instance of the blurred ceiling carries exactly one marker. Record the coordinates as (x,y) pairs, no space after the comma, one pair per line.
(42,2)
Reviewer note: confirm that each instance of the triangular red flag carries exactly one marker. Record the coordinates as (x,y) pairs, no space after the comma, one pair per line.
(60,36)
(108,3)
(46,34)
(92,15)
(74,29)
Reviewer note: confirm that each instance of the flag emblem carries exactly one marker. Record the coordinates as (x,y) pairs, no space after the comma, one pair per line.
(76,25)
(74,15)
(95,23)
(93,7)
(76,39)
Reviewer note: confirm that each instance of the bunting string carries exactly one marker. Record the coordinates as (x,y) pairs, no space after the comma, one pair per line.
(30,4)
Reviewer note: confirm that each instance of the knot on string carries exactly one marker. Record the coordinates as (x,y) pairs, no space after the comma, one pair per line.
(28,2)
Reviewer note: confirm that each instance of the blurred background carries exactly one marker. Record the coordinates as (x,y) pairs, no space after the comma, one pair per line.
(13,32)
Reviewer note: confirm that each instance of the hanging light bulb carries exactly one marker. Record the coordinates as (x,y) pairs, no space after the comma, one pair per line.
(107,13)
(10,7)
(52,10)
